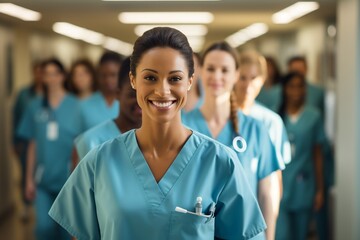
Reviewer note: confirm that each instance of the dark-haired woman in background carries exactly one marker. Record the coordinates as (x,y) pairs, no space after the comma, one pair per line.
(82,79)
(161,181)
(220,119)
(303,177)
(50,124)
(269,93)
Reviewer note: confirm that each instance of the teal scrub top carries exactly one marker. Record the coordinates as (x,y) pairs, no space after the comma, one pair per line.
(276,129)
(270,97)
(299,176)
(53,155)
(112,194)
(25,96)
(95,136)
(259,160)
(94,110)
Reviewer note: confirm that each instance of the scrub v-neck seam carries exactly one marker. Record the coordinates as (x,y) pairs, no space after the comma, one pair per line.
(209,133)
(147,179)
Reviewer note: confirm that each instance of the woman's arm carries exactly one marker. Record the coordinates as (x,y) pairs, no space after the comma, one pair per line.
(269,201)
(319,175)
(30,189)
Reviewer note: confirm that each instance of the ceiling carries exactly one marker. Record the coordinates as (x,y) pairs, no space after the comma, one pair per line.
(229,15)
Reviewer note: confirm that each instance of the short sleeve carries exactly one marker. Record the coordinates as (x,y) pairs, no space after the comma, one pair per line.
(320,137)
(82,145)
(238,215)
(74,208)
(26,128)
(268,159)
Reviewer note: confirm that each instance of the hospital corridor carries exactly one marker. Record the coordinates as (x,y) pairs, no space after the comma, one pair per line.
(179,119)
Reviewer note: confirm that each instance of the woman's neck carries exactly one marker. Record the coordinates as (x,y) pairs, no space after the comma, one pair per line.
(159,137)
(124,124)
(84,94)
(216,108)
(55,96)
(245,105)
(294,108)
(192,99)
(109,97)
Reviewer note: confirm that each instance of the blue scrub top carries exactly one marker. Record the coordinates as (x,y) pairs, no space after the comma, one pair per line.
(25,96)
(94,110)
(112,194)
(276,130)
(299,175)
(53,156)
(259,160)
(270,97)
(95,136)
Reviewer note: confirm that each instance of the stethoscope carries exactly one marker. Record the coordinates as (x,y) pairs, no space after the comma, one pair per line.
(235,144)
(198,210)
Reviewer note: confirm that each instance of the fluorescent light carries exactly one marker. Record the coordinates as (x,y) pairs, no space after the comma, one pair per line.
(166,17)
(196,43)
(92,37)
(161,0)
(80,33)
(19,12)
(253,31)
(294,11)
(188,30)
(119,46)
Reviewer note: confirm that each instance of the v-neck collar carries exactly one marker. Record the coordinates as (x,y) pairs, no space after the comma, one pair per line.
(298,119)
(157,191)
(104,103)
(205,127)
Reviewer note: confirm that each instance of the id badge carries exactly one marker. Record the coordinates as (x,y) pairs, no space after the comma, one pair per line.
(52,131)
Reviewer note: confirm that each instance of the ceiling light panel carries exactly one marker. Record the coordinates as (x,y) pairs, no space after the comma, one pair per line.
(294,11)
(244,35)
(188,30)
(19,12)
(166,17)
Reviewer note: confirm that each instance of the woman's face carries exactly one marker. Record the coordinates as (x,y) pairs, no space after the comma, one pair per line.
(295,91)
(161,83)
(249,84)
(219,73)
(82,79)
(53,77)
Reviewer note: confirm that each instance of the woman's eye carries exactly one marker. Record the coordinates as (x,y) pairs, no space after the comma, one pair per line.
(224,70)
(150,78)
(175,79)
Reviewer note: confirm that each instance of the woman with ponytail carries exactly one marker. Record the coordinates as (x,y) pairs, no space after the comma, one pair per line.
(220,119)
(50,124)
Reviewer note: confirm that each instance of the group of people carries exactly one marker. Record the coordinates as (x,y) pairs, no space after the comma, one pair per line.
(170,144)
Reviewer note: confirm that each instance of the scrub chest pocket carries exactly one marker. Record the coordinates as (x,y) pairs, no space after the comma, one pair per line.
(187,226)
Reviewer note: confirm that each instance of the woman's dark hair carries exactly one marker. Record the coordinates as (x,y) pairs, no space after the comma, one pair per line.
(225,47)
(110,56)
(61,69)
(284,82)
(162,37)
(277,74)
(124,73)
(70,85)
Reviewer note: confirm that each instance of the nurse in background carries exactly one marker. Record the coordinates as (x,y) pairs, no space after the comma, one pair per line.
(253,71)
(220,119)
(129,117)
(25,96)
(303,177)
(271,87)
(82,79)
(195,95)
(103,105)
(134,186)
(315,97)
(50,124)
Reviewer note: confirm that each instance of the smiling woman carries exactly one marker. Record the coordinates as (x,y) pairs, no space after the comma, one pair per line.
(154,176)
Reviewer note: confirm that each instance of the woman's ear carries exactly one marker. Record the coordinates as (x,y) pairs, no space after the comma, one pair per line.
(132,80)
(190,82)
